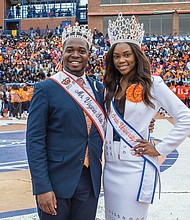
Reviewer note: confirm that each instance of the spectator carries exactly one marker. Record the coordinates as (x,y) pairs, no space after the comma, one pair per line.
(1,100)
(34,11)
(15,101)
(18,10)
(180,91)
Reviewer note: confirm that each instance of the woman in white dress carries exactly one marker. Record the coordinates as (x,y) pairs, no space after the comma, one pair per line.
(132,99)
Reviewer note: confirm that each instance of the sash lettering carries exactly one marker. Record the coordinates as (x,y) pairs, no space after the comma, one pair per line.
(84,99)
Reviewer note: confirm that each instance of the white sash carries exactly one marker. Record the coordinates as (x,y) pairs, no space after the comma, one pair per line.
(151,173)
(84,99)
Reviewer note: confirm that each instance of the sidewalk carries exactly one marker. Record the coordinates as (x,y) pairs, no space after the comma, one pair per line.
(18,201)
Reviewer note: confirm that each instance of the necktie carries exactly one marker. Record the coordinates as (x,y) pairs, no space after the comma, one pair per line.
(89,125)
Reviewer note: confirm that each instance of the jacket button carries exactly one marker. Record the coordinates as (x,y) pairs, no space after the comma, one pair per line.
(81,160)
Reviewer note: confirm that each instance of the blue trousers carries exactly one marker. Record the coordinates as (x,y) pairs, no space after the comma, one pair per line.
(82,206)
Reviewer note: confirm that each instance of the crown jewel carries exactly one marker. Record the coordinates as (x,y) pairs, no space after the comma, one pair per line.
(78,31)
(125,30)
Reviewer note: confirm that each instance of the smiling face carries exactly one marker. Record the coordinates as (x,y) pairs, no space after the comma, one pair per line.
(75,56)
(124,59)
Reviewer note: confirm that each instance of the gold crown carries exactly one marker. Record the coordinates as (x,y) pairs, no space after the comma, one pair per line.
(125,30)
(78,31)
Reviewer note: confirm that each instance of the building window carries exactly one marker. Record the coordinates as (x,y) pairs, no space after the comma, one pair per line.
(113,2)
(105,2)
(184,24)
(157,24)
(83,15)
(153,1)
(126,1)
(153,24)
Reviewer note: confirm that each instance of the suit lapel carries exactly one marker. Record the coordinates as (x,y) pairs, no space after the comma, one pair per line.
(97,95)
(95,91)
(81,114)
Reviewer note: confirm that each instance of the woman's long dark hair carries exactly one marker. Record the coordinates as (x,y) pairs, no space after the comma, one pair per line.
(141,76)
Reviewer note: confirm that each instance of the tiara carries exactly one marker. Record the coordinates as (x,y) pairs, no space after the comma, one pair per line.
(125,30)
(77,31)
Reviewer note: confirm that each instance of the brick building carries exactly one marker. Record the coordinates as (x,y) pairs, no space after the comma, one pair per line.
(22,15)
(163,17)
(159,17)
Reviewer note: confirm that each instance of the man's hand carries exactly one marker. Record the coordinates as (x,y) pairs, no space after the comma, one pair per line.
(47,202)
(151,125)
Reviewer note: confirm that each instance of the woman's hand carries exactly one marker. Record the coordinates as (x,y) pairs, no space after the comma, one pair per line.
(144,148)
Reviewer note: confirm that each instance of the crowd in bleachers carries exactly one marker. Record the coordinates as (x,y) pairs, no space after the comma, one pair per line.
(31,58)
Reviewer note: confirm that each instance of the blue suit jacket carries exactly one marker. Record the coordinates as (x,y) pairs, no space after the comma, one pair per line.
(56,141)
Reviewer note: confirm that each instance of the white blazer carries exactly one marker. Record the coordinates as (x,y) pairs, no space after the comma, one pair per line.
(139,116)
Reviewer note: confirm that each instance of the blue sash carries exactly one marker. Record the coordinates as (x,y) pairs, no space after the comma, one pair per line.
(151,173)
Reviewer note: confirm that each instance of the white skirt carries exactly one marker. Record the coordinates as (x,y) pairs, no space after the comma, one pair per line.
(121,185)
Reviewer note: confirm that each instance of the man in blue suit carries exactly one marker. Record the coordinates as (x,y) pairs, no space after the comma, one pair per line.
(58,137)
